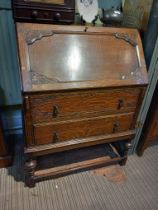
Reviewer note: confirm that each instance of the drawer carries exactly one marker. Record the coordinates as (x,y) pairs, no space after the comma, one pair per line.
(74,129)
(44,15)
(56,107)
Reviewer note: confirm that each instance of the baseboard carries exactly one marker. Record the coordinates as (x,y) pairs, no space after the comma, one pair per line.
(5,161)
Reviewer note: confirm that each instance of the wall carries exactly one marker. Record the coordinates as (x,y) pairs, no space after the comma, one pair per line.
(9,75)
(10,91)
(136,13)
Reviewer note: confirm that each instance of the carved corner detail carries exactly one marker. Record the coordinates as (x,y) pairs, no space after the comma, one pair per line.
(126,38)
(32,36)
(41,79)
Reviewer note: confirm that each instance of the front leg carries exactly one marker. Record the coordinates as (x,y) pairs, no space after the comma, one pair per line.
(127,146)
(30,167)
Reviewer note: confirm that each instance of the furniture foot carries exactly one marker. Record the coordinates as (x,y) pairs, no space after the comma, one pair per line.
(122,148)
(30,166)
(127,146)
(140,152)
(123,161)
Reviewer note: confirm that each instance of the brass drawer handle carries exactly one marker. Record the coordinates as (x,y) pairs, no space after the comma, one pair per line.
(55,137)
(120,103)
(115,127)
(55,111)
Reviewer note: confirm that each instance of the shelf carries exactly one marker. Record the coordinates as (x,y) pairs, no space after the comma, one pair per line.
(68,162)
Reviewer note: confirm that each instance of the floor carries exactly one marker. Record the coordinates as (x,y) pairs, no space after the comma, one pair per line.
(84,191)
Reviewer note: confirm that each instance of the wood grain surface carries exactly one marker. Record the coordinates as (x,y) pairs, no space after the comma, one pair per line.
(82,104)
(82,87)
(41,150)
(66,57)
(74,129)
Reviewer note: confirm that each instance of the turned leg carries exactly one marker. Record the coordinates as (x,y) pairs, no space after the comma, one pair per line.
(30,166)
(127,146)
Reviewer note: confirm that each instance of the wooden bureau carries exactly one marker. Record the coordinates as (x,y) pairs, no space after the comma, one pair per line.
(82,87)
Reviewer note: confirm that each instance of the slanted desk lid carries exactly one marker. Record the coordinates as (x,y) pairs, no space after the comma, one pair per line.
(73,57)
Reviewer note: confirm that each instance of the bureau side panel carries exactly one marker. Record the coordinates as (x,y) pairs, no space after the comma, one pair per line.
(27,122)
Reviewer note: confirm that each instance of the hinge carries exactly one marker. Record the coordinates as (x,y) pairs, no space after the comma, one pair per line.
(26,103)
(139,124)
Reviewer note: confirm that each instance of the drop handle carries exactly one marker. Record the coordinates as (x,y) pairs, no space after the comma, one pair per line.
(55,111)
(55,137)
(34,14)
(57,16)
(120,103)
(115,127)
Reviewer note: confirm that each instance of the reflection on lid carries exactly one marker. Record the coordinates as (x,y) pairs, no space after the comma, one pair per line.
(74,61)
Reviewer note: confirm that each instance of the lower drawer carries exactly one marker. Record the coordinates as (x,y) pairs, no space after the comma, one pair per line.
(66,130)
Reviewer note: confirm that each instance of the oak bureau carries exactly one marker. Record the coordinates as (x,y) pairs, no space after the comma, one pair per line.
(82,89)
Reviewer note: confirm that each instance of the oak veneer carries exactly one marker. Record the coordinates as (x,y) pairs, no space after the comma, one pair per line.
(82,103)
(75,129)
(81,87)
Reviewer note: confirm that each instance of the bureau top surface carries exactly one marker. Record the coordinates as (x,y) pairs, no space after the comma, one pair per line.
(54,57)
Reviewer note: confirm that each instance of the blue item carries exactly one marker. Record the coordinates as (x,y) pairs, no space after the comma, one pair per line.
(106,4)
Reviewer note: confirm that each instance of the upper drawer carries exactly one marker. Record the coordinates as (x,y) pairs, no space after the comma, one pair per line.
(57,106)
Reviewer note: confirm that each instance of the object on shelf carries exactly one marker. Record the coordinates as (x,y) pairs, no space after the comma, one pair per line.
(88,9)
(111,16)
(44,11)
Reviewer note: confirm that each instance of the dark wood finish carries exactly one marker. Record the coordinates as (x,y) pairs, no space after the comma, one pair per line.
(30,167)
(150,130)
(122,148)
(81,88)
(77,143)
(83,159)
(44,12)
(5,158)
